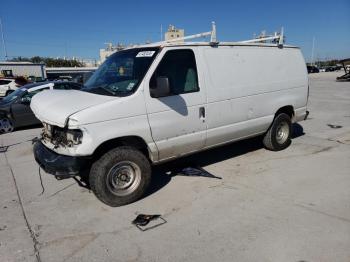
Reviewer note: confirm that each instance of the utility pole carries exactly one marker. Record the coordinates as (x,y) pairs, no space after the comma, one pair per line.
(3,39)
(65,51)
(312,51)
(161,32)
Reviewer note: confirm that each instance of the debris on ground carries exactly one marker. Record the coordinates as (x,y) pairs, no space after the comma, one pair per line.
(146,222)
(3,149)
(197,171)
(334,126)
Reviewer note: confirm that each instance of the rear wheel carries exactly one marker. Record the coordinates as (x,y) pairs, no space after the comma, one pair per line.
(121,176)
(6,125)
(278,137)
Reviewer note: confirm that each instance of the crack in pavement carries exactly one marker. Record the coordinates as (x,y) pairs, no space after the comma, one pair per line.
(31,232)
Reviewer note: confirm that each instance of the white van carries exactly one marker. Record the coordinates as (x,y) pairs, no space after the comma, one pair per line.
(158,102)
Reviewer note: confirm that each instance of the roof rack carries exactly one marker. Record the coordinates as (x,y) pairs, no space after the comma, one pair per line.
(276,38)
(211,33)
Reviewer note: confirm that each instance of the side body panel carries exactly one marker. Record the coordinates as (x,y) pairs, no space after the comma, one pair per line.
(175,121)
(247,85)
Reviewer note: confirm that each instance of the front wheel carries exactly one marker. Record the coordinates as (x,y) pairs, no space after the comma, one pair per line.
(278,137)
(120,177)
(6,125)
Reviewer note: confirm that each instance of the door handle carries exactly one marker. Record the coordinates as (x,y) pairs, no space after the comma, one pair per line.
(202,113)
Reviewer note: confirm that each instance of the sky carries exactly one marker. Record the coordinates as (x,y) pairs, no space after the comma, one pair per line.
(80,28)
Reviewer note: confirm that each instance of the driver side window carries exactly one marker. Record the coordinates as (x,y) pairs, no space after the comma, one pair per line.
(179,66)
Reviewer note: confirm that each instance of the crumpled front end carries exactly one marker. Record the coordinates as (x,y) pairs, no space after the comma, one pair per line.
(59,136)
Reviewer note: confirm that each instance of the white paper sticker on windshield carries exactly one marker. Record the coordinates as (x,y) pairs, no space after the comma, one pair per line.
(145,54)
(130,86)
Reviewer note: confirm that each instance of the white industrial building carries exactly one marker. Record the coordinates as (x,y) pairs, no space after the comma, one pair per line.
(174,33)
(25,69)
(104,53)
(171,34)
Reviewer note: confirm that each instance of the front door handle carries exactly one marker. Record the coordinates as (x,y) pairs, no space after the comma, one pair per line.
(202,113)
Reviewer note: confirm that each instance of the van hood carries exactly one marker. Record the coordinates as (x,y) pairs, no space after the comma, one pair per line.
(55,106)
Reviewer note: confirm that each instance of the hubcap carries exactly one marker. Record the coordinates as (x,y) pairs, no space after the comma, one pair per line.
(5,125)
(123,178)
(282,132)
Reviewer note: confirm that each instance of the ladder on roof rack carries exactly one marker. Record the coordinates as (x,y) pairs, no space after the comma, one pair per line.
(277,37)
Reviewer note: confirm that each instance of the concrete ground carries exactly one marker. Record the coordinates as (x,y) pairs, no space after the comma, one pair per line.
(292,205)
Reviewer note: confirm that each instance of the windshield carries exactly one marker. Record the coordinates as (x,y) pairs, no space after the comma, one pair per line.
(14,95)
(122,72)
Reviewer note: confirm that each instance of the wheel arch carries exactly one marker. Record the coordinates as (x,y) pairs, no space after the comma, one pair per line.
(132,141)
(289,110)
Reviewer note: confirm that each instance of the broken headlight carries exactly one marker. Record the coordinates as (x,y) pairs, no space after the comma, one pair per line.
(74,137)
(62,136)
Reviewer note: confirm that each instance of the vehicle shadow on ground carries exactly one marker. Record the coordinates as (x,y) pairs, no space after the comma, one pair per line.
(162,174)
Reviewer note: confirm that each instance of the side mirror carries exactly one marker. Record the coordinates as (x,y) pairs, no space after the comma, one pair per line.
(162,87)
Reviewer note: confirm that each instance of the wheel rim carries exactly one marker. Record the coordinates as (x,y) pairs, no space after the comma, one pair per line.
(282,133)
(6,125)
(123,178)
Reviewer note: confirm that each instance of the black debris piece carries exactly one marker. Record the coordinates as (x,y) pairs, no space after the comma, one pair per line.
(3,149)
(198,171)
(142,220)
(334,126)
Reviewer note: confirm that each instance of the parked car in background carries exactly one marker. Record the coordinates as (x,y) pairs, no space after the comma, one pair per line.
(8,85)
(15,108)
(35,79)
(329,69)
(312,69)
(346,67)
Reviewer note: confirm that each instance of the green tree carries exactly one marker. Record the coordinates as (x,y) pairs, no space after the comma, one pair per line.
(48,61)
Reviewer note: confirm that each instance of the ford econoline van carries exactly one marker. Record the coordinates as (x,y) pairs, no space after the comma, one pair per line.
(154,103)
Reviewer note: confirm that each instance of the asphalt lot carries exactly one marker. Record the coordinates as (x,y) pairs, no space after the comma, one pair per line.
(292,205)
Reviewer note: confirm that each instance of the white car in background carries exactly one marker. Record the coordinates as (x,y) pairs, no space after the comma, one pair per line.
(7,86)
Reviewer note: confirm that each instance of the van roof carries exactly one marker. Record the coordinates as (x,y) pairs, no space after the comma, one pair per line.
(178,44)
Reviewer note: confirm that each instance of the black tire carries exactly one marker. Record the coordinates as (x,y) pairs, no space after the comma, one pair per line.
(6,125)
(273,140)
(116,167)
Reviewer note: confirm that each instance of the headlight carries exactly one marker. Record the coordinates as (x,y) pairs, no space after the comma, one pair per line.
(61,136)
(74,137)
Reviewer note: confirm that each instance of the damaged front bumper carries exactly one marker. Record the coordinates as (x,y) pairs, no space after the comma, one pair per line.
(60,166)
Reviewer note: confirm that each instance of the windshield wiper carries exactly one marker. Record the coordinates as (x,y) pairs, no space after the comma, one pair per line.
(90,89)
(106,89)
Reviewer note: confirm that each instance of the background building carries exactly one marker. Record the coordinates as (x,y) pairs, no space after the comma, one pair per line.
(174,33)
(25,69)
(104,53)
